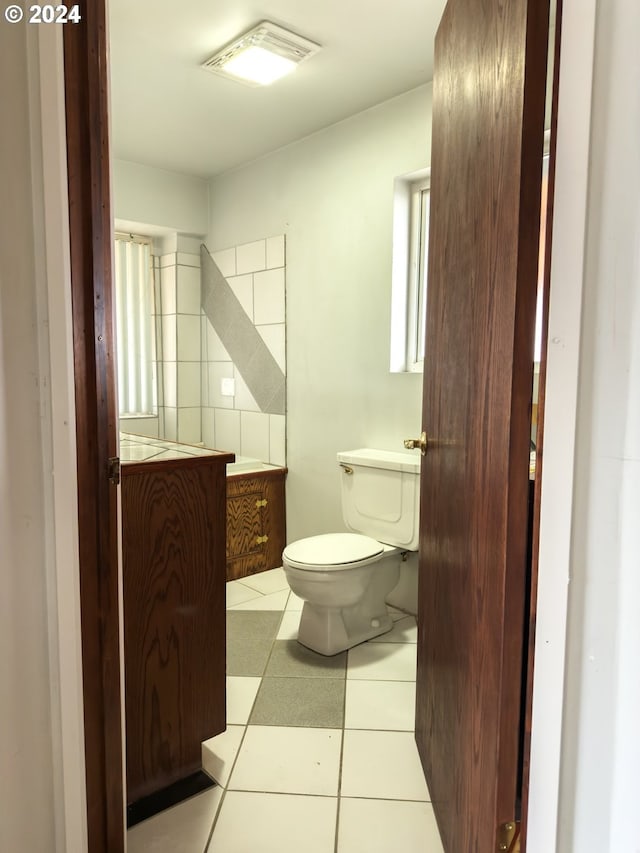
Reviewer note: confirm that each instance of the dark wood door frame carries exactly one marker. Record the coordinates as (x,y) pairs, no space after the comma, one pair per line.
(90,220)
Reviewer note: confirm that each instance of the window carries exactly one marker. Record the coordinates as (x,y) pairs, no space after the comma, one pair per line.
(409,274)
(135,324)
(418,256)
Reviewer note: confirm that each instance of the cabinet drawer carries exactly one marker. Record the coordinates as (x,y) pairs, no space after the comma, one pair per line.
(255,523)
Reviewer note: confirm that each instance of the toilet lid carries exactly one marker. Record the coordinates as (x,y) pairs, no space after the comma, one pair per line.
(332,549)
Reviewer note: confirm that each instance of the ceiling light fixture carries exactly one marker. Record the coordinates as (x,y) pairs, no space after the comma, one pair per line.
(261,55)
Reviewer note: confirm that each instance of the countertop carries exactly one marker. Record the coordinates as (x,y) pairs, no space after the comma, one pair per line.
(142,448)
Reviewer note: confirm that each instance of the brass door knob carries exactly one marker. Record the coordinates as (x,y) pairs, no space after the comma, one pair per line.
(415,443)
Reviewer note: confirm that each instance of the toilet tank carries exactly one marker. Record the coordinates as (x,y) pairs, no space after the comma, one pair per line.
(381,495)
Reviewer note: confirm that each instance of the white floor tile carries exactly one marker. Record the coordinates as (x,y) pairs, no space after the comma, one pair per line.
(289,625)
(404,630)
(378,826)
(184,828)
(237,593)
(273,601)
(241,694)
(288,760)
(294,602)
(265,582)
(382,661)
(219,753)
(384,705)
(274,823)
(382,765)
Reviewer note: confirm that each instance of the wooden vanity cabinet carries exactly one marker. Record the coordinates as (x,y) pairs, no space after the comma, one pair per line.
(256,524)
(173,538)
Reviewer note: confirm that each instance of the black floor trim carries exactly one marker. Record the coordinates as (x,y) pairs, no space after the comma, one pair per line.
(167,797)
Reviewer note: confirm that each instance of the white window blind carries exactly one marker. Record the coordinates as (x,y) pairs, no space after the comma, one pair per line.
(419,260)
(135,324)
(411,203)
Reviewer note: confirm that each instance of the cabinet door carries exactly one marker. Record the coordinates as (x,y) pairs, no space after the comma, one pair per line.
(174,619)
(255,525)
(245,529)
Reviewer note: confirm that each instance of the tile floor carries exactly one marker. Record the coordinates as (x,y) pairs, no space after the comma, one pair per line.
(318,755)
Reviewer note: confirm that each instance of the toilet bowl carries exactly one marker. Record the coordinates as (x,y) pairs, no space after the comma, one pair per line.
(344,578)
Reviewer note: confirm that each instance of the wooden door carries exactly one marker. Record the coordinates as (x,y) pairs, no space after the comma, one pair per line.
(91,239)
(488,124)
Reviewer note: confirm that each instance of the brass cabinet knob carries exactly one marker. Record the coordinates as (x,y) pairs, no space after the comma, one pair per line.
(415,443)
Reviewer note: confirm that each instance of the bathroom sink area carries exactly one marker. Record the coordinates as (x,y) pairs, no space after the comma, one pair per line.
(255,500)
(245,464)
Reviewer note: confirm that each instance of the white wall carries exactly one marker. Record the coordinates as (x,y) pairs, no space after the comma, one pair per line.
(600,791)
(331,195)
(40,709)
(153,196)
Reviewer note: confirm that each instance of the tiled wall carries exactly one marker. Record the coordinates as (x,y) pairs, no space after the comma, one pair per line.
(255,274)
(178,329)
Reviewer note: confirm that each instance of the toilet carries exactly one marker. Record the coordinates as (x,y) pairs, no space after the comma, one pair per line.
(344,578)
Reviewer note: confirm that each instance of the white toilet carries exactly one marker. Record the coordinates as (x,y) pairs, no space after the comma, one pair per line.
(344,578)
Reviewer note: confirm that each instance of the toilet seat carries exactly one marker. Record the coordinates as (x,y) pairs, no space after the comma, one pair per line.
(332,552)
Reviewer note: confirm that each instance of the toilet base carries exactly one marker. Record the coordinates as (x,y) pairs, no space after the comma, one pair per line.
(330,630)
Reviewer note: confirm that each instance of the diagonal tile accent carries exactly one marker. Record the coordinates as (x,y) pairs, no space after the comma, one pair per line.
(245,345)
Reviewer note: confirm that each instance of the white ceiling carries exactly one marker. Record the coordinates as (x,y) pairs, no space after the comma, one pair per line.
(170,113)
